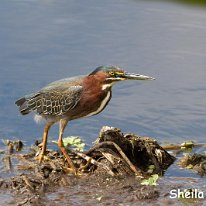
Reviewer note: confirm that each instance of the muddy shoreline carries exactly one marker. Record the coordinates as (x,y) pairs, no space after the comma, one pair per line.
(112,175)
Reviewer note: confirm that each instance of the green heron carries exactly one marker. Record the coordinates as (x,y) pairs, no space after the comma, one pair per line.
(73,98)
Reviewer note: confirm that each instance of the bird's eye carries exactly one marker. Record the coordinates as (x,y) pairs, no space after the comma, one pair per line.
(111,73)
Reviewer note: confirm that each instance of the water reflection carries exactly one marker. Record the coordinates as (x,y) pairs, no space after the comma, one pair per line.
(193,2)
(199,3)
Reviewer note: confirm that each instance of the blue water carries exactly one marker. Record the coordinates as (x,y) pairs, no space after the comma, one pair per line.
(46,40)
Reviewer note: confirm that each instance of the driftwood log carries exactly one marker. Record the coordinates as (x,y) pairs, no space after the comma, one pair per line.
(128,153)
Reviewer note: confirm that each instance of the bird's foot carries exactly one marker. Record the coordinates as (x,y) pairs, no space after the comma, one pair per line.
(76,172)
(41,157)
(71,168)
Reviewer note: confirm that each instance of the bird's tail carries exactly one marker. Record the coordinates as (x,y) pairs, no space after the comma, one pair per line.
(25,104)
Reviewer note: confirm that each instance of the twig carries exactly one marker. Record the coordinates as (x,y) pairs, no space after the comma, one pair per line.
(25,201)
(93,161)
(126,159)
(7,162)
(86,165)
(27,181)
(177,146)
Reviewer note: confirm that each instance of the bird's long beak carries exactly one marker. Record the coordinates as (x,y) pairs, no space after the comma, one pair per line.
(131,76)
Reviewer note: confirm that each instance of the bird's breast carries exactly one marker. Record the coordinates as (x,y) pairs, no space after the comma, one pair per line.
(93,99)
(91,103)
(100,105)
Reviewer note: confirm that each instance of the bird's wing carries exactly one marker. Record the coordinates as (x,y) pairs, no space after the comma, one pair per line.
(55,100)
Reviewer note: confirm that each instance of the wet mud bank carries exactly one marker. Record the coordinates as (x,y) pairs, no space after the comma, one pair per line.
(117,170)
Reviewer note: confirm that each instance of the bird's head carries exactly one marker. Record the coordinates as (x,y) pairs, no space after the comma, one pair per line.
(112,74)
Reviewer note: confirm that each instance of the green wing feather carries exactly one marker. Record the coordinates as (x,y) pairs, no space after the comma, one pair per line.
(55,99)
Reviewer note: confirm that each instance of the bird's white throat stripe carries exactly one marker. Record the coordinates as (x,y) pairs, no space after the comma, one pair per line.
(103,104)
(105,86)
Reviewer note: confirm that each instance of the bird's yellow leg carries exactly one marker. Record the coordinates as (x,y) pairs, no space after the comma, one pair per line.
(62,125)
(44,141)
